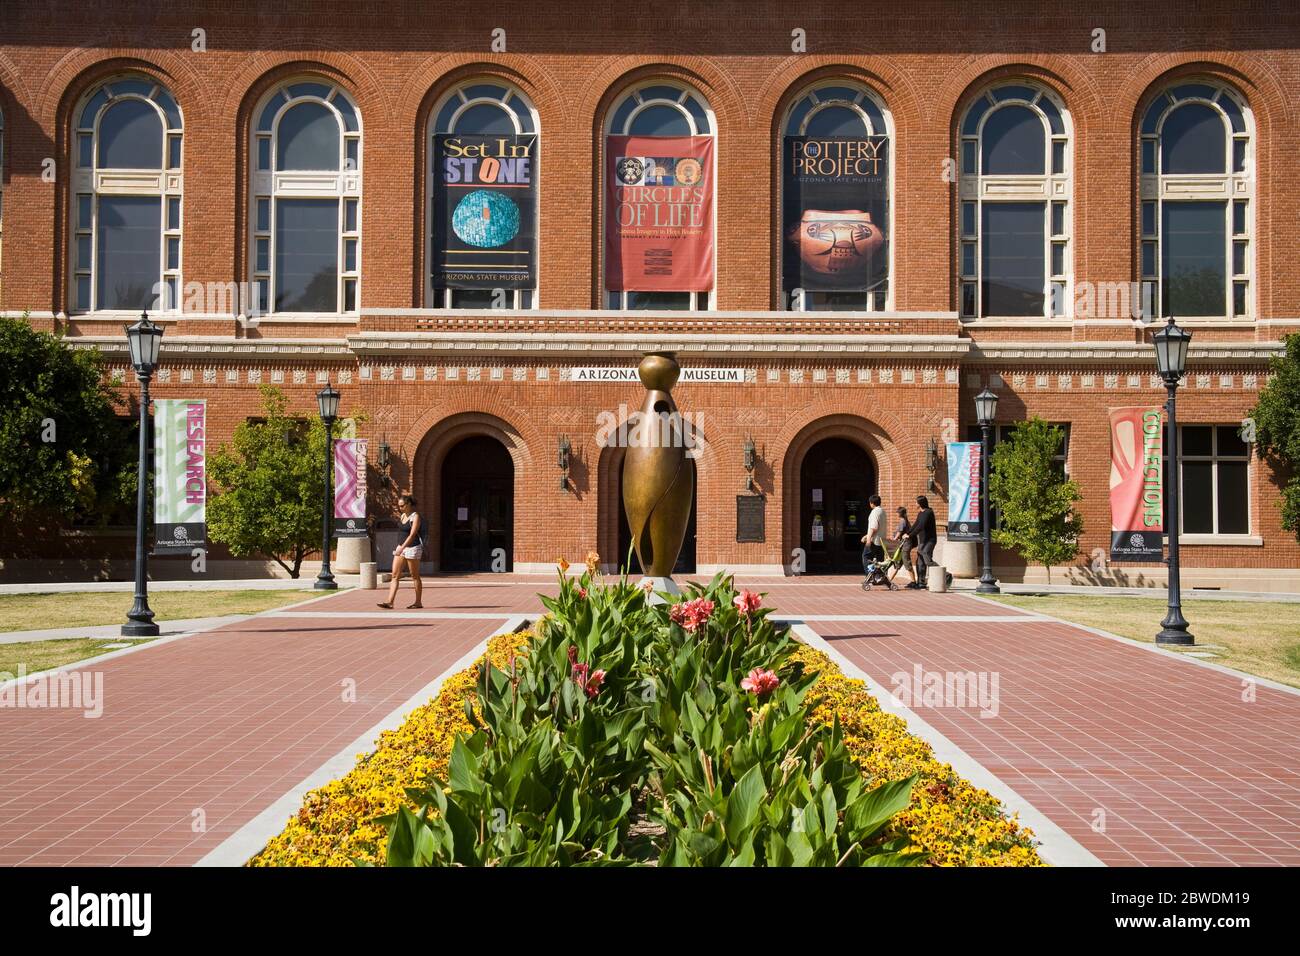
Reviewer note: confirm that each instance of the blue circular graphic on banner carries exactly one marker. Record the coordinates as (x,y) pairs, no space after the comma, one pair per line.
(485,219)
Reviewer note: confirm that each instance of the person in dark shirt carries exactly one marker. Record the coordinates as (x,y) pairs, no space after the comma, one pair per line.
(924,534)
(903,536)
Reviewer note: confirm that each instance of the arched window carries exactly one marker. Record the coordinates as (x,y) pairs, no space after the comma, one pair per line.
(482,206)
(1014,215)
(665,199)
(836,185)
(126,198)
(305,220)
(1197,184)
(2,176)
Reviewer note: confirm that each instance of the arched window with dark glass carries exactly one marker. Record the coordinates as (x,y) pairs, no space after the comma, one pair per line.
(661,109)
(126,198)
(305,218)
(482,211)
(1197,185)
(836,191)
(1014,238)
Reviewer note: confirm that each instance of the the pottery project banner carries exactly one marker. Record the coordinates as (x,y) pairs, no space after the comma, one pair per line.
(180,475)
(350,488)
(659,213)
(835,204)
(965,518)
(1137,494)
(485,211)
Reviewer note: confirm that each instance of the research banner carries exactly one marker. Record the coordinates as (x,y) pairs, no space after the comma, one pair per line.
(180,475)
(659,213)
(350,488)
(965,518)
(1137,494)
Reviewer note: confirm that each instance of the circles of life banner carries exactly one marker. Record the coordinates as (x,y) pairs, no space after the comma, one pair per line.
(485,211)
(659,196)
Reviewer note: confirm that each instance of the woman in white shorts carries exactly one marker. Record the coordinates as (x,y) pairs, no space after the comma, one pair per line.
(409,553)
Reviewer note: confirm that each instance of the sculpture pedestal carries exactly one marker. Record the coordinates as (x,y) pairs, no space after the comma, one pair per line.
(666,585)
(352,553)
(961,558)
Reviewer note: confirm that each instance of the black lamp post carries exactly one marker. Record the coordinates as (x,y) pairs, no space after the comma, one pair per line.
(327,399)
(986,411)
(144,339)
(1171,361)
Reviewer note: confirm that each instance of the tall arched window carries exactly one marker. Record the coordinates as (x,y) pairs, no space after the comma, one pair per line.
(670,195)
(126,198)
(836,185)
(2,180)
(1196,186)
(482,206)
(305,220)
(1014,216)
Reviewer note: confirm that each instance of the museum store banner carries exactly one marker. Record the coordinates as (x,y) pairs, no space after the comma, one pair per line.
(965,519)
(1136,484)
(180,475)
(835,203)
(659,213)
(485,211)
(350,488)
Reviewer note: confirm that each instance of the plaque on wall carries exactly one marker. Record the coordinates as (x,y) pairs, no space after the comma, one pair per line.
(751,519)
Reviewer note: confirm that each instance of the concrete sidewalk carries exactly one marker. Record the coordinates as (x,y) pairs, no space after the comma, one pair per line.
(107,631)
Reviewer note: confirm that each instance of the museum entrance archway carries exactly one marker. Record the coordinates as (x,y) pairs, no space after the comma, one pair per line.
(835,480)
(685,559)
(477,508)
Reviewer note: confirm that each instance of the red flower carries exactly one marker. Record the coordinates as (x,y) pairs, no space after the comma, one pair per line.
(760,682)
(582,592)
(689,615)
(590,681)
(573,654)
(592,687)
(747,602)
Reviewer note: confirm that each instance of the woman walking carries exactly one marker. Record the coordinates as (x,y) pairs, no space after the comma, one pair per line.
(902,535)
(409,553)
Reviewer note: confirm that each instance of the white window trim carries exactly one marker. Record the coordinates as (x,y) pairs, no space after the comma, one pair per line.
(343,184)
(516,297)
(977,188)
(635,91)
(863,91)
(164,182)
(1227,188)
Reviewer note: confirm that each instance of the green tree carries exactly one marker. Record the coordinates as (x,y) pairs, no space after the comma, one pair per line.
(1276,418)
(271,486)
(62,447)
(1035,500)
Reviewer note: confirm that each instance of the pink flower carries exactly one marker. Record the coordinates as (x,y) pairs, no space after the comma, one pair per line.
(573,654)
(590,681)
(747,602)
(582,592)
(689,615)
(760,682)
(593,684)
(647,586)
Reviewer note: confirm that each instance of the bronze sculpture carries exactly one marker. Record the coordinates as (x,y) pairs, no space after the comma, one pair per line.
(658,475)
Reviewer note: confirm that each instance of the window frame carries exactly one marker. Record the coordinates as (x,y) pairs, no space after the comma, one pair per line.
(611,299)
(1214,458)
(1054,189)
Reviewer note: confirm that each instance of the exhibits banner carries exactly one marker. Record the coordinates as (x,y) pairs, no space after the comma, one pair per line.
(965,520)
(485,211)
(835,206)
(180,475)
(1137,494)
(350,488)
(659,198)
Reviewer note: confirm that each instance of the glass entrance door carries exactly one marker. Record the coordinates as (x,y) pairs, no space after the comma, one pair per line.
(837,478)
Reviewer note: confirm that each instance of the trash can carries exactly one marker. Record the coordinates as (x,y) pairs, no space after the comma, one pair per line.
(369,575)
(936,578)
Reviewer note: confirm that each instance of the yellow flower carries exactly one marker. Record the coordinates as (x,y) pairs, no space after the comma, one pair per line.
(592,561)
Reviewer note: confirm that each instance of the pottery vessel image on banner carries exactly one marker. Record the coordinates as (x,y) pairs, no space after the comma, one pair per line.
(838,244)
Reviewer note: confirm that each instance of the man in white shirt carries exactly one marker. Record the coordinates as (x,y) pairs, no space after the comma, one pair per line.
(871,546)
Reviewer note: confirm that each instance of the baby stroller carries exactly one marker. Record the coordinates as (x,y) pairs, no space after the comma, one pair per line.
(880,574)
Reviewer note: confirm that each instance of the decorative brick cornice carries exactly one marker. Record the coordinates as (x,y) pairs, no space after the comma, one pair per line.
(1111,353)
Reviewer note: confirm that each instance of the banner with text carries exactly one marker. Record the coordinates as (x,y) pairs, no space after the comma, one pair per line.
(180,475)
(485,211)
(965,519)
(835,205)
(659,213)
(1137,494)
(350,488)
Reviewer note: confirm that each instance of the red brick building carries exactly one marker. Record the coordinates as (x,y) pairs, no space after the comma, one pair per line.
(269,178)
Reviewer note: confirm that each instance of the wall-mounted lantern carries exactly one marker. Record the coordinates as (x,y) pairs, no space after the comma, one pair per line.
(932,463)
(566,450)
(751,456)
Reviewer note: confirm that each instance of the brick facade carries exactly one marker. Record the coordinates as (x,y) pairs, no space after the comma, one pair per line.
(889,381)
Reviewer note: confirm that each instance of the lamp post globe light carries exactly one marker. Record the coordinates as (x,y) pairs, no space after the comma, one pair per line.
(1171,362)
(144,339)
(327,400)
(986,411)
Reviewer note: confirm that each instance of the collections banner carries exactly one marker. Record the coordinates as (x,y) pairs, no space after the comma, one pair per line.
(485,211)
(180,475)
(350,488)
(1137,494)
(659,213)
(835,204)
(965,520)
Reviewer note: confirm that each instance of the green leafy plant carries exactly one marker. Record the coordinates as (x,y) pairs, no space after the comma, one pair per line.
(1276,419)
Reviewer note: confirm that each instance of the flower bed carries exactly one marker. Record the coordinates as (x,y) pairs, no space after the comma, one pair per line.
(546,693)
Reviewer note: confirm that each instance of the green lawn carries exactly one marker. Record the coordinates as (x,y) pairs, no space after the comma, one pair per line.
(43,655)
(29,612)
(1260,638)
